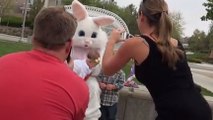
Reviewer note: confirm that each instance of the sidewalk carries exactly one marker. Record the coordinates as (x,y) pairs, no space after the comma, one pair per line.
(12,38)
(205,66)
(203,81)
(203,74)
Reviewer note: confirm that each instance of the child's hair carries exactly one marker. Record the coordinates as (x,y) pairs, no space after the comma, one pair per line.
(93,55)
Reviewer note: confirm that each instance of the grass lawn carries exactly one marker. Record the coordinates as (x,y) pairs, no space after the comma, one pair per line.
(206,92)
(9,47)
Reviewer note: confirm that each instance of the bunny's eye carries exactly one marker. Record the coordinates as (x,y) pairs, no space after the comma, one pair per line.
(81,33)
(94,35)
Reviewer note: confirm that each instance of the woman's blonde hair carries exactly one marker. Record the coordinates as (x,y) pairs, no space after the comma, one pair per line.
(157,13)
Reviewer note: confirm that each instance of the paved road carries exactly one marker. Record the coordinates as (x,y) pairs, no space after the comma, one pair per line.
(203,66)
(203,74)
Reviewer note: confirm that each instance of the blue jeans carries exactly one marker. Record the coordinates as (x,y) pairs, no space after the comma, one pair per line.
(108,112)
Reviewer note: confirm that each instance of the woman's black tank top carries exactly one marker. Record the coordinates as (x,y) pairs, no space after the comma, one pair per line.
(158,77)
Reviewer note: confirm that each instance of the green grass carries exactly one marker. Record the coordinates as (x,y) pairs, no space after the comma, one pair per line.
(127,68)
(206,92)
(10,47)
(199,55)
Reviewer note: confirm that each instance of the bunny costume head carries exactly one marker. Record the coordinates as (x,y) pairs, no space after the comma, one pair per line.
(89,34)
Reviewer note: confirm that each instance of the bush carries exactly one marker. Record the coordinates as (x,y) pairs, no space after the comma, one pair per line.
(206,51)
(198,57)
(195,60)
(13,21)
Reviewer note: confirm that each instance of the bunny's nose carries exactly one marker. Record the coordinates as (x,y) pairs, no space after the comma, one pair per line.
(88,41)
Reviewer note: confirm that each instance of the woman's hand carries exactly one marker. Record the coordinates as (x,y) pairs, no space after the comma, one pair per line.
(116,35)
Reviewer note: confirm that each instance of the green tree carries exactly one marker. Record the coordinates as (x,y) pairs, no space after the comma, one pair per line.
(210,39)
(111,6)
(85,2)
(198,42)
(209,36)
(66,2)
(5,6)
(209,9)
(177,22)
(35,8)
(90,2)
(209,16)
(130,13)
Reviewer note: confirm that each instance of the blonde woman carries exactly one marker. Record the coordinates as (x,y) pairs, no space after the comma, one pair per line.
(160,64)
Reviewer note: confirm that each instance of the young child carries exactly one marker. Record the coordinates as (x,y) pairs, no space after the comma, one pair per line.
(83,68)
(110,85)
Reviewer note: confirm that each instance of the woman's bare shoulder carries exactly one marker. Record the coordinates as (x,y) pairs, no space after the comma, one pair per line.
(135,41)
(174,42)
(136,48)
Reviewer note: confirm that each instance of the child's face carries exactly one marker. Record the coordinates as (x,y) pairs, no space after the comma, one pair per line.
(93,63)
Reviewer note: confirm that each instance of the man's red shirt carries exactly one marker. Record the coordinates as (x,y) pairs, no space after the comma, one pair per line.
(38,86)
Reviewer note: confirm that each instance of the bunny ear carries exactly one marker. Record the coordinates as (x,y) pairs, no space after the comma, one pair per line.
(103,20)
(79,10)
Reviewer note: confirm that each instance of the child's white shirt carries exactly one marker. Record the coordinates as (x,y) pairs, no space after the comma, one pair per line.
(81,68)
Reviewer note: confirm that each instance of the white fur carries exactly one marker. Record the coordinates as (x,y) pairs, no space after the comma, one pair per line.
(81,45)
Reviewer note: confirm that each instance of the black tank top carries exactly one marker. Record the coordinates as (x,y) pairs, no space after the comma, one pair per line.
(158,77)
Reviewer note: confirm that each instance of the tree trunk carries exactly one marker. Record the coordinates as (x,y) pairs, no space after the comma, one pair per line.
(46,3)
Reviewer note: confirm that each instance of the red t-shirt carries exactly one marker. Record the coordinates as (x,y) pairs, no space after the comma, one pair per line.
(38,86)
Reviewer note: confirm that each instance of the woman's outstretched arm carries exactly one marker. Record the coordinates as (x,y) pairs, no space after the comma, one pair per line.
(133,48)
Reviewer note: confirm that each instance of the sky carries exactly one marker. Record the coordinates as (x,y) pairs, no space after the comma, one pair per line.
(191,11)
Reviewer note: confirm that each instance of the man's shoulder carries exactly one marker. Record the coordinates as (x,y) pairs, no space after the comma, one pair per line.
(13,56)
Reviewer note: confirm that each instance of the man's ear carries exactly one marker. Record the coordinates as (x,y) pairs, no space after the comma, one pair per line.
(68,46)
